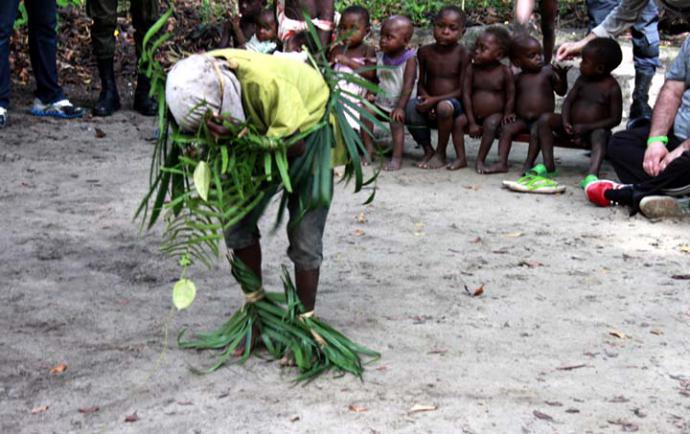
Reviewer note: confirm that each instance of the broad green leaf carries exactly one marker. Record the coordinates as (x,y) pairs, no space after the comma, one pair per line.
(202,179)
(184,292)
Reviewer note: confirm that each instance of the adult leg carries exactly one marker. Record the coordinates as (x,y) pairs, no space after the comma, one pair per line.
(418,127)
(489,131)
(444,120)
(144,15)
(460,161)
(504,144)
(104,16)
(43,49)
(646,58)
(549,10)
(8,13)
(625,152)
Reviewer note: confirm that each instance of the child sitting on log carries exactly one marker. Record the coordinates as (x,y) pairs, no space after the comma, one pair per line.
(396,71)
(489,90)
(591,109)
(535,85)
(439,92)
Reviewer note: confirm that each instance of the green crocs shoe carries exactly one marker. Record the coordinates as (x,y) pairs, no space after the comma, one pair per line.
(535,184)
(588,180)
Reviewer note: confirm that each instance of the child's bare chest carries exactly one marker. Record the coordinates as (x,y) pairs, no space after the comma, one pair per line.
(531,83)
(488,79)
(593,93)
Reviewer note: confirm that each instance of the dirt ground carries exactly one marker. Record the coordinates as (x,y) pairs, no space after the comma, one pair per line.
(582,326)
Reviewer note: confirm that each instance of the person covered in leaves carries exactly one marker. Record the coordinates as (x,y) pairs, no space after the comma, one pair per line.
(290,14)
(279,98)
(104,15)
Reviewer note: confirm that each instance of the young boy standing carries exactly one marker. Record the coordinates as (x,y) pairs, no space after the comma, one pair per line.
(439,92)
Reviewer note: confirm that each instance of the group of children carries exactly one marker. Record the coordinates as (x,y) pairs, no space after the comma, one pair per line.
(458,91)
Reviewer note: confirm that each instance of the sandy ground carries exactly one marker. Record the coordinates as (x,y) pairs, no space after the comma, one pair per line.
(581,328)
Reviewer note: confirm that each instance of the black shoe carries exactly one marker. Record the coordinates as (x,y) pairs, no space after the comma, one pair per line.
(143,103)
(108,100)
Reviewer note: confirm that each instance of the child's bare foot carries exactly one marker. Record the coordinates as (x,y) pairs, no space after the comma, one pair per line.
(435,162)
(394,164)
(458,163)
(428,153)
(480,167)
(496,168)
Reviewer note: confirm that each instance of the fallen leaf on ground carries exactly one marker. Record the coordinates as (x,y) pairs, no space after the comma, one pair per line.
(616,333)
(476,292)
(361,218)
(543,416)
(294,418)
(572,410)
(359,232)
(357,409)
(530,264)
(382,368)
(89,410)
(684,248)
(625,426)
(185,403)
(132,417)
(619,399)
(100,133)
(418,408)
(553,403)
(438,352)
(656,332)
(41,409)
(59,369)
(474,187)
(476,240)
(570,367)
(514,234)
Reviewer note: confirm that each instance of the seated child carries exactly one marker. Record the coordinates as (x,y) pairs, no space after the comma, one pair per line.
(352,53)
(439,91)
(396,72)
(489,90)
(265,39)
(241,27)
(534,88)
(593,106)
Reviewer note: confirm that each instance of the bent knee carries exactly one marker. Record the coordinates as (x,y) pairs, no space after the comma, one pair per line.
(444,109)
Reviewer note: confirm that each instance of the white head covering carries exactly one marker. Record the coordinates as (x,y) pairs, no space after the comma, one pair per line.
(201,83)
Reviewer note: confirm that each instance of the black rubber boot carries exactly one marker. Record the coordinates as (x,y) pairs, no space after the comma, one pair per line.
(640,111)
(109,100)
(143,103)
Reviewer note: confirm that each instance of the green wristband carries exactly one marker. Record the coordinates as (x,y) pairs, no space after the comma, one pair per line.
(655,139)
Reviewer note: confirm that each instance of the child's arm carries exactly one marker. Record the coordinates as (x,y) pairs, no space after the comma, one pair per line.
(567,105)
(369,60)
(473,128)
(615,102)
(421,85)
(509,83)
(559,79)
(409,75)
(240,37)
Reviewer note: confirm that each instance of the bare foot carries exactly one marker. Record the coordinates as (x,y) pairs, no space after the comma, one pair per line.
(480,167)
(428,153)
(242,347)
(393,165)
(496,168)
(459,163)
(435,162)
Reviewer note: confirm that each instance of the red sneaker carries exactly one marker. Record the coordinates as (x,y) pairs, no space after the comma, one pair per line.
(595,191)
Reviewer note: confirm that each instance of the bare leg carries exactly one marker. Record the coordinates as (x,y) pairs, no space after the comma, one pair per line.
(398,135)
(546,127)
(504,144)
(367,139)
(444,119)
(549,9)
(307,283)
(523,11)
(599,140)
(459,143)
(490,128)
(251,256)
(534,146)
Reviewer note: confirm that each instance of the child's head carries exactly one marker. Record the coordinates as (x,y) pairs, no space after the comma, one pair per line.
(251,7)
(449,25)
(600,56)
(492,45)
(267,27)
(354,25)
(526,53)
(396,33)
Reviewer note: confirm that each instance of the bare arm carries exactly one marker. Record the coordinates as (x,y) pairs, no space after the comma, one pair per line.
(421,59)
(665,109)
(409,75)
(568,103)
(559,79)
(467,95)
(509,81)
(369,60)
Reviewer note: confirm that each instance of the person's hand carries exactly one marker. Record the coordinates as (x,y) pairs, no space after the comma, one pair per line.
(569,50)
(425,103)
(568,128)
(508,119)
(474,130)
(653,156)
(561,70)
(216,128)
(398,116)
(670,157)
(235,19)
